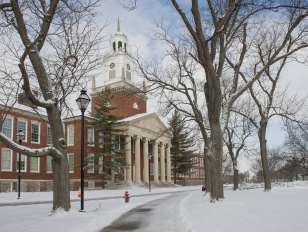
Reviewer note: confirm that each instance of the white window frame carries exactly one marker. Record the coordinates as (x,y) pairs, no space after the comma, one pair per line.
(11,160)
(25,130)
(100,164)
(89,130)
(71,163)
(117,145)
(70,133)
(38,165)
(39,130)
(91,184)
(92,162)
(49,129)
(25,165)
(8,117)
(48,158)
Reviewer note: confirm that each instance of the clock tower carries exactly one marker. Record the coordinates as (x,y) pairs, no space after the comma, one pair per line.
(119,68)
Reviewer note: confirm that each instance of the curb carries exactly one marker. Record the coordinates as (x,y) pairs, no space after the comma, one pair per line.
(88,199)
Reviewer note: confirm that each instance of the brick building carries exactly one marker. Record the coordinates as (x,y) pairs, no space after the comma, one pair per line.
(146,134)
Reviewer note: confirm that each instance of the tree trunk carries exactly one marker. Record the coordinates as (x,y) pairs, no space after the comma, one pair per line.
(263,150)
(235,177)
(61,185)
(207,174)
(216,162)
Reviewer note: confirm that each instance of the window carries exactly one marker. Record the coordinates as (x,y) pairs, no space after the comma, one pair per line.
(114,46)
(70,135)
(112,74)
(151,169)
(7,127)
(22,162)
(6,160)
(101,139)
(133,145)
(91,185)
(71,165)
(159,168)
(128,75)
(35,128)
(150,149)
(49,163)
(49,136)
(22,125)
(34,164)
(91,136)
(90,165)
(158,147)
(119,45)
(117,143)
(202,173)
(100,164)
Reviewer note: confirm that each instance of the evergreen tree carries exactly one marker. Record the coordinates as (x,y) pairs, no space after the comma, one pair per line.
(109,155)
(182,150)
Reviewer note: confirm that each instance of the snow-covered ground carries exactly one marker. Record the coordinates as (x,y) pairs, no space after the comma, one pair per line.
(283,209)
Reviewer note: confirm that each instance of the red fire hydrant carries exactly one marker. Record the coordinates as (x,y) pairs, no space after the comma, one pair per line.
(126,196)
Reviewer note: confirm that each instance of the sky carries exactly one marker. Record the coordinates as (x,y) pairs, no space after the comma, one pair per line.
(139,26)
(284,209)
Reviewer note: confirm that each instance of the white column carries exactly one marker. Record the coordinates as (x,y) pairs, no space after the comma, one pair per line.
(156,162)
(128,159)
(145,160)
(137,158)
(162,163)
(168,163)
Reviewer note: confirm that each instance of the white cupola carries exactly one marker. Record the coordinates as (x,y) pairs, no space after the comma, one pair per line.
(118,64)
(118,40)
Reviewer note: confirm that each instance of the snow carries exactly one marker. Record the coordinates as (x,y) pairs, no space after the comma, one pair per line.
(285,208)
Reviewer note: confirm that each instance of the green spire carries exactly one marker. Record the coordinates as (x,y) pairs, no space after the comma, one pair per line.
(118,29)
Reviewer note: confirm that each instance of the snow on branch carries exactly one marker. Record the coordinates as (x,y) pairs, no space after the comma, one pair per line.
(29,151)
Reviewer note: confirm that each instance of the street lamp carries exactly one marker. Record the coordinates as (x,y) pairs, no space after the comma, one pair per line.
(20,137)
(149,157)
(82,101)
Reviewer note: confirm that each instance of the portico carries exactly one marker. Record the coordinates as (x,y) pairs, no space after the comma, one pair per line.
(147,134)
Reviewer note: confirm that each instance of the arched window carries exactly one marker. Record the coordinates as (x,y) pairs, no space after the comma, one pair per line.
(125,47)
(114,46)
(120,45)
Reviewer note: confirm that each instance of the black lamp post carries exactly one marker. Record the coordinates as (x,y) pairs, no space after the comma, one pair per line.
(20,137)
(149,157)
(82,101)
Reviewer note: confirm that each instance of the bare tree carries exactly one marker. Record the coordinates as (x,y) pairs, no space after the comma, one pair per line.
(239,131)
(276,159)
(297,148)
(50,47)
(194,64)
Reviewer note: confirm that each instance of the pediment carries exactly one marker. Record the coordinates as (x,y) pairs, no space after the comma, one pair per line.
(147,125)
